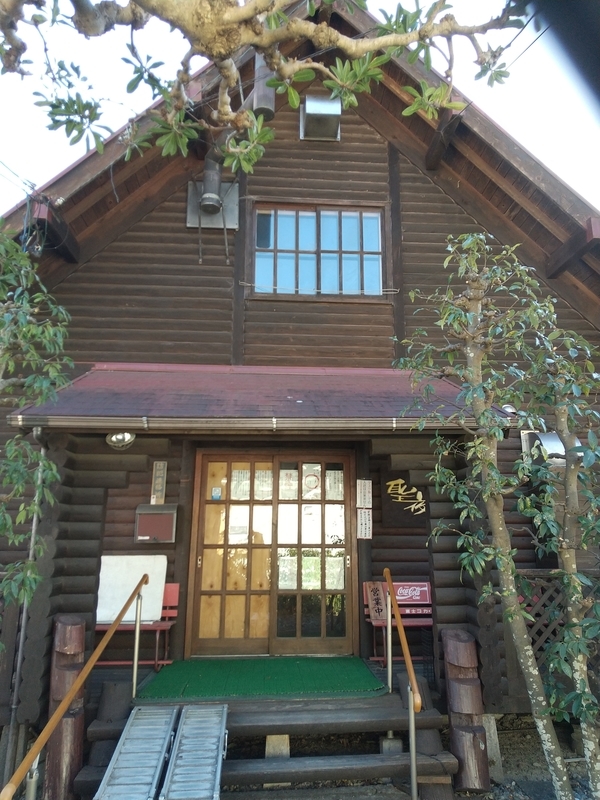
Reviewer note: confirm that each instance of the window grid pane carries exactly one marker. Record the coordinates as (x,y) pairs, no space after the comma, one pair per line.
(318,252)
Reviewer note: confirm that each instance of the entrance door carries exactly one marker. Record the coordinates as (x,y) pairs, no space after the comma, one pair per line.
(271,556)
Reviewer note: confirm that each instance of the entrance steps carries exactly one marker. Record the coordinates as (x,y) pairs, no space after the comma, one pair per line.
(314,718)
(337,717)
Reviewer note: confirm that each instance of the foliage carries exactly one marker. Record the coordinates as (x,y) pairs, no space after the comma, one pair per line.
(66,107)
(243,154)
(216,30)
(504,348)
(32,368)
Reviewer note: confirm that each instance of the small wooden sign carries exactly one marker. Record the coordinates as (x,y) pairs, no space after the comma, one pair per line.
(159,483)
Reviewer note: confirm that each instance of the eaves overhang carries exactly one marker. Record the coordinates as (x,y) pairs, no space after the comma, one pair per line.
(222,400)
(191,425)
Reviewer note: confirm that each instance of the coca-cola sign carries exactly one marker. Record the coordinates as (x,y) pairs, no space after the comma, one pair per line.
(412,593)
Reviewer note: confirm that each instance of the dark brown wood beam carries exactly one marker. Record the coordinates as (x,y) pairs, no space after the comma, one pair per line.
(176,173)
(481,209)
(456,143)
(448,123)
(574,248)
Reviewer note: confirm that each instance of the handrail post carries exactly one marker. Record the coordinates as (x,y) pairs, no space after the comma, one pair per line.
(412,741)
(136,644)
(388,634)
(414,695)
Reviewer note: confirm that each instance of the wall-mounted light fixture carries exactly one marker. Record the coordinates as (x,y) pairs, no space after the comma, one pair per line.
(121,440)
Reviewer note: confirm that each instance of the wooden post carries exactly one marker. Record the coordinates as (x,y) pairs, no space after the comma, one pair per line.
(465,711)
(64,757)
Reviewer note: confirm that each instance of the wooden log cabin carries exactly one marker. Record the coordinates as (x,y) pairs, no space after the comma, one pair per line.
(268,393)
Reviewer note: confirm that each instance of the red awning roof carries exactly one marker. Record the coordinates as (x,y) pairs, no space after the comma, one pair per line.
(223,398)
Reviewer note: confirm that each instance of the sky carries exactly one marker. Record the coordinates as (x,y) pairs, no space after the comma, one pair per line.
(544,104)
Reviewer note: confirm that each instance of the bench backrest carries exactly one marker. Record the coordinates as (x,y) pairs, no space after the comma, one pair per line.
(413,598)
(170,601)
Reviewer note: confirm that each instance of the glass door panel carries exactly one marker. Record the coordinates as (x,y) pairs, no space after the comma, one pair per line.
(273,555)
(233,569)
(310,610)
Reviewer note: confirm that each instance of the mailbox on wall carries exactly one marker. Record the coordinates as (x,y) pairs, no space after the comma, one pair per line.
(155,523)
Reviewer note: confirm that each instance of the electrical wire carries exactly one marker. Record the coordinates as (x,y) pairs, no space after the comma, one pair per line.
(29,184)
(528,46)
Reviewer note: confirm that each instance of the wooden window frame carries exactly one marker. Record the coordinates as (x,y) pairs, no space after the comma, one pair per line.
(383,209)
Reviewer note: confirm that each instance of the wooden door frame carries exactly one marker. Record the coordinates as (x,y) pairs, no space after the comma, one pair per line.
(297,451)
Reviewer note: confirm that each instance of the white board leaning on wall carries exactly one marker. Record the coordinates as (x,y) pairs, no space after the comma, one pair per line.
(119,575)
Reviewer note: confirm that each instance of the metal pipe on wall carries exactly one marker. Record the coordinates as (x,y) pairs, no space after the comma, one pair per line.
(11,748)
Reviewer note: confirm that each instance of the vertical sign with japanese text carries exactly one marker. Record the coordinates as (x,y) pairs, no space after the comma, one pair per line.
(364,513)
(159,483)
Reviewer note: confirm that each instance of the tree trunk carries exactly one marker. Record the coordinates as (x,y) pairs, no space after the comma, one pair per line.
(575,608)
(520,636)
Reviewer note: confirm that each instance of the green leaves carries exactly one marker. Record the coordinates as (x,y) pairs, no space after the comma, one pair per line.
(244,153)
(430,99)
(494,74)
(354,77)
(175,133)
(282,87)
(402,21)
(77,116)
(502,343)
(32,367)
(143,72)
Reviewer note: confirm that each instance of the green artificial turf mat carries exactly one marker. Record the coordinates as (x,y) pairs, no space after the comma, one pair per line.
(261,677)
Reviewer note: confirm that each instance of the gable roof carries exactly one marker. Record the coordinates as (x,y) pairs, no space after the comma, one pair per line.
(476,163)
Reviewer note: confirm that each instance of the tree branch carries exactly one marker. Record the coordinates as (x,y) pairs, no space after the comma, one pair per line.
(95,20)
(11,12)
(324,37)
(245,13)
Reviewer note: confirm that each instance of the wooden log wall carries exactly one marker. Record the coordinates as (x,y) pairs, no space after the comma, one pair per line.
(121,505)
(145,297)
(72,532)
(324,331)
(403,549)
(428,217)
(95,515)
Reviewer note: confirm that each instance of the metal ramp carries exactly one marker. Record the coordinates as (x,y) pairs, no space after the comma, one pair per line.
(194,771)
(192,743)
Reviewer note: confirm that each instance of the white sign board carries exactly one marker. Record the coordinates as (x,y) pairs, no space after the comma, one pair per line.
(119,575)
(364,494)
(364,523)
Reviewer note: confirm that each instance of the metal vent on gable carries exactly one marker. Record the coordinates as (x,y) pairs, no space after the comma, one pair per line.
(320,119)
(230,197)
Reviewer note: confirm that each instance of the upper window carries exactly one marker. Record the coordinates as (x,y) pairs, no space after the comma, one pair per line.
(318,251)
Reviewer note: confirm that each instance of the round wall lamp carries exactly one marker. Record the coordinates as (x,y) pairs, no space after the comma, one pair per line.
(120,441)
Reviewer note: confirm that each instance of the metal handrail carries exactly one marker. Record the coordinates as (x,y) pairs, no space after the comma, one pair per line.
(415,702)
(19,774)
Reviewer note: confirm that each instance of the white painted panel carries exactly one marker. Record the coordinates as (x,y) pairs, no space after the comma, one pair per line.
(119,575)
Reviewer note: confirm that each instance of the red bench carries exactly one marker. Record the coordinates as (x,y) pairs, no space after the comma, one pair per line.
(414,601)
(168,618)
